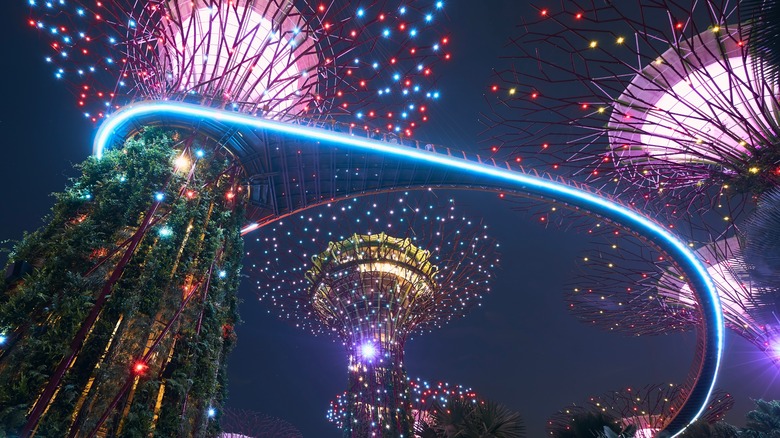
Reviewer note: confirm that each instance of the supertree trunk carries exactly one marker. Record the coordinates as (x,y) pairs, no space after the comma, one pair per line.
(133,279)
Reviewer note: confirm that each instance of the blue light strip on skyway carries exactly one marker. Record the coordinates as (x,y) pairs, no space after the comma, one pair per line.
(700,280)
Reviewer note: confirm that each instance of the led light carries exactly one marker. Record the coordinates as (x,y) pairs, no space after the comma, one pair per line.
(181,163)
(368,350)
(159,196)
(165,232)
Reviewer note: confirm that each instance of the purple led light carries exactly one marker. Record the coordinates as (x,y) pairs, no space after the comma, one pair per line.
(368,350)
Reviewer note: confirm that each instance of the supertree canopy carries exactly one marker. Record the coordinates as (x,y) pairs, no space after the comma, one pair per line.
(390,268)
(425,397)
(631,289)
(238,423)
(657,100)
(371,62)
(644,410)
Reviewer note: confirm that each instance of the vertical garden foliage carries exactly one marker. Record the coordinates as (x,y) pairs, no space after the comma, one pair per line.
(193,249)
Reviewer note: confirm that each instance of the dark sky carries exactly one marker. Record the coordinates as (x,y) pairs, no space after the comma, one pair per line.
(520,348)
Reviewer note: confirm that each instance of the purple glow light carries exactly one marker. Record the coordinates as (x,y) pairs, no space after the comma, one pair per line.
(368,350)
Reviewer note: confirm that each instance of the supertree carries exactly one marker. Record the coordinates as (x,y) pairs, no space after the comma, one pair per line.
(373,63)
(128,354)
(643,409)
(661,101)
(239,423)
(424,395)
(631,289)
(133,281)
(391,268)
(669,105)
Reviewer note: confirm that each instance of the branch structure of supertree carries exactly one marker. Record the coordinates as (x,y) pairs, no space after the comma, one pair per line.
(634,290)
(239,423)
(425,397)
(371,63)
(661,101)
(390,268)
(645,409)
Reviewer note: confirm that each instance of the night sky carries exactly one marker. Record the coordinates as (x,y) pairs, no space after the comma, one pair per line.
(520,348)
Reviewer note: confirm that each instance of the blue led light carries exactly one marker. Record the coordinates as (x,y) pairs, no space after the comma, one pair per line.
(700,281)
(386,32)
(199,153)
(429,18)
(159,196)
(413,32)
(222,274)
(375,65)
(439,4)
(360,12)
(2,339)
(402,10)
(165,232)
(212,412)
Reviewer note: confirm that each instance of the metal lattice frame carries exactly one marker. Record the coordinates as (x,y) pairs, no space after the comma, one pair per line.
(628,288)
(659,101)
